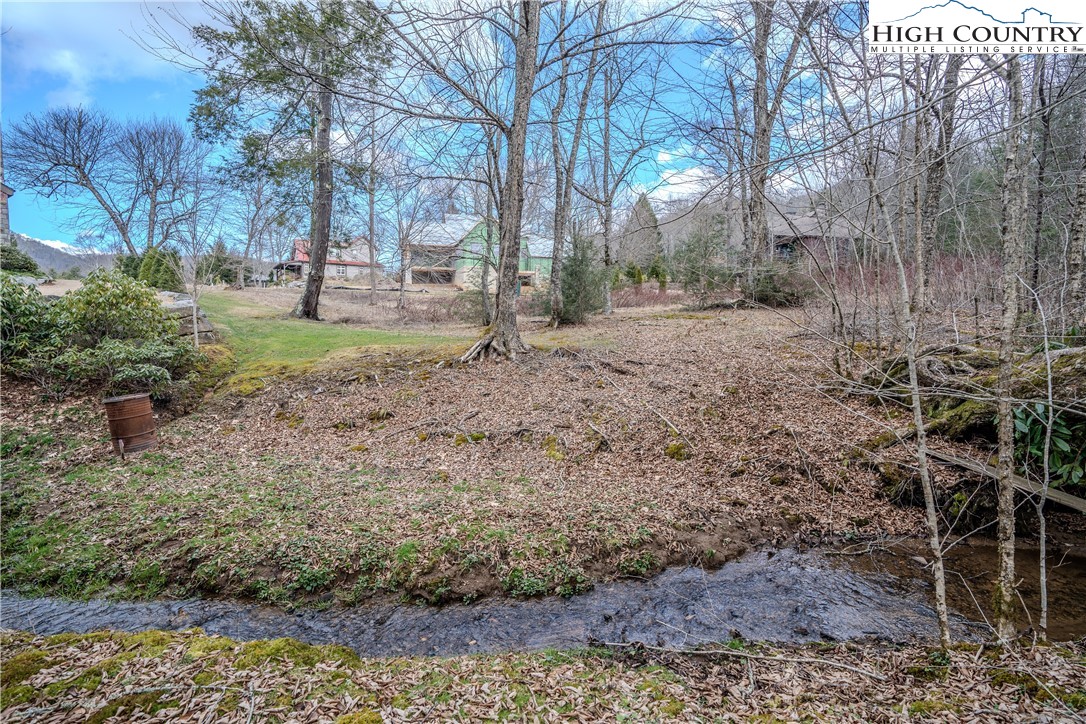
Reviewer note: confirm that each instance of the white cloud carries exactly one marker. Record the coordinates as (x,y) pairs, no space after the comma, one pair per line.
(82,44)
(678,184)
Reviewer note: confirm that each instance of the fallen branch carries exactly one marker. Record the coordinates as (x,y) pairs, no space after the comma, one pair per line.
(605,443)
(670,425)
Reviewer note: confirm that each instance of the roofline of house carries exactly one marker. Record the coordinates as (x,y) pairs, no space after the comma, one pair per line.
(344,262)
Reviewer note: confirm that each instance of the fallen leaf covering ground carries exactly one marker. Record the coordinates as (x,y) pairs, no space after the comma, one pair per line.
(156,676)
(641,440)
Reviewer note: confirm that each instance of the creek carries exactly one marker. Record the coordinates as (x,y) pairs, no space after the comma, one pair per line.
(786,596)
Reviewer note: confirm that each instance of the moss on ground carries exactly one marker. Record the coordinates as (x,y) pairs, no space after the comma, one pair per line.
(208,675)
(22,666)
(258,653)
(146,703)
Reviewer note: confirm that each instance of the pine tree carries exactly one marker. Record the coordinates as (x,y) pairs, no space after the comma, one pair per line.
(15,260)
(281,63)
(641,241)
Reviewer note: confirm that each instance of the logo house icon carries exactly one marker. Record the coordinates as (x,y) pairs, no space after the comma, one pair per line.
(957,26)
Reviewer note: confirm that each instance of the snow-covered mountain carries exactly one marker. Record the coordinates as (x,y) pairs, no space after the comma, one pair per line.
(62,246)
(59,257)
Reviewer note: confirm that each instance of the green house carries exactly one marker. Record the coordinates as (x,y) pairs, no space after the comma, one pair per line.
(453,251)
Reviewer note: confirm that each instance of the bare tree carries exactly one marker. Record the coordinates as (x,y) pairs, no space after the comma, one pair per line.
(1076,256)
(767,109)
(165,162)
(1014,208)
(622,134)
(564,152)
(459,95)
(129,177)
(197,230)
(320,227)
(935,180)
(71,153)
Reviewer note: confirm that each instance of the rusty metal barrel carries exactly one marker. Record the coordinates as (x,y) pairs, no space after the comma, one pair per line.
(131,423)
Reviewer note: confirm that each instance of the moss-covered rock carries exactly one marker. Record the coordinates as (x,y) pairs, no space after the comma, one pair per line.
(899,484)
(963,419)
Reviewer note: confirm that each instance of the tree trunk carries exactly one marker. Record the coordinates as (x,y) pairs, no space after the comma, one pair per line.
(504,339)
(609,197)
(607,259)
(931,513)
(405,272)
(321,216)
(488,253)
(195,316)
(1042,162)
(560,181)
(1014,204)
(371,193)
(936,178)
(1076,256)
(152,217)
(759,169)
(565,174)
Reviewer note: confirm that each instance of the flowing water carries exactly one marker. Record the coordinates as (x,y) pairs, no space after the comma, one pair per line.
(787,596)
(970,573)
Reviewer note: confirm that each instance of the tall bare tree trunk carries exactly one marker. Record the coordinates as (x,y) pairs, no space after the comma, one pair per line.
(608,259)
(504,339)
(923,468)
(493,176)
(766,110)
(1045,115)
(763,123)
(608,200)
(371,193)
(152,216)
(560,180)
(1076,252)
(1014,207)
(405,272)
(936,178)
(488,253)
(565,168)
(894,235)
(320,226)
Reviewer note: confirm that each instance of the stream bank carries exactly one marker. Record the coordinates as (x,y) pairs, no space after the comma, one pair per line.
(787,597)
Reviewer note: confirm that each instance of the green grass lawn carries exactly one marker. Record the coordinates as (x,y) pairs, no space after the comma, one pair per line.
(262,336)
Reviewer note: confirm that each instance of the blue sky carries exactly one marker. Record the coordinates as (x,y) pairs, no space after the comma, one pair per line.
(72,53)
(61,53)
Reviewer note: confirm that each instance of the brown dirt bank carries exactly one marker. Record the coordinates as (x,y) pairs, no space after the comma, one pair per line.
(642,440)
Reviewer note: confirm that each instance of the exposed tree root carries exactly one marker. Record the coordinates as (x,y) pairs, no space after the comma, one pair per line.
(496,346)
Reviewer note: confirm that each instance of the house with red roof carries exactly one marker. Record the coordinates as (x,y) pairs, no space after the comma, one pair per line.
(346,260)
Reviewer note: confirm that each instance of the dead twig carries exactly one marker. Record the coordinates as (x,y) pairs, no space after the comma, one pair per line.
(756,657)
(605,442)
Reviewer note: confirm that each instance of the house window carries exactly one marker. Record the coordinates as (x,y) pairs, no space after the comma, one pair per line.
(341,270)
